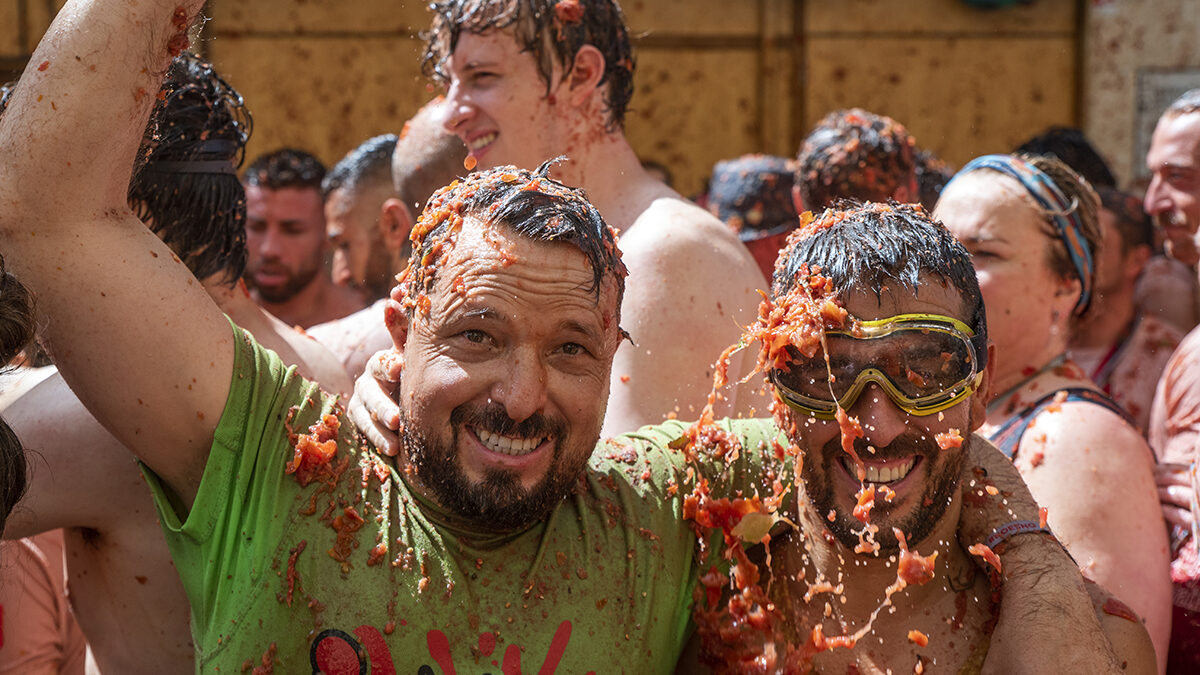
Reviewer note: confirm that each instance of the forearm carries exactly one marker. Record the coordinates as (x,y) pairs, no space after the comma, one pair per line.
(77,116)
(1046,620)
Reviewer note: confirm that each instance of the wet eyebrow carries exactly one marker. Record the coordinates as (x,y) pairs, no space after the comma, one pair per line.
(583,329)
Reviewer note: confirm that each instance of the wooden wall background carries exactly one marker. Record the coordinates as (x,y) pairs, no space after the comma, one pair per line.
(719,78)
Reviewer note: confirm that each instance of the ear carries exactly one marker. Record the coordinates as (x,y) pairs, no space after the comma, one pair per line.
(983,393)
(797,200)
(585,75)
(1134,262)
(908,194)
(395,225)
(1068,293)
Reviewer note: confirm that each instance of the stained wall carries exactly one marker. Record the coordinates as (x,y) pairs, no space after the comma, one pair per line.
(718,78)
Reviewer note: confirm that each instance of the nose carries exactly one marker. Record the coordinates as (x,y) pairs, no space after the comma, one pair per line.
(881,419)
(523,391)
(457,109)
(269,244)
(1156,199)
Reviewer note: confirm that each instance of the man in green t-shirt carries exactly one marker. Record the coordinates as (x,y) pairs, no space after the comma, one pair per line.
(501,538)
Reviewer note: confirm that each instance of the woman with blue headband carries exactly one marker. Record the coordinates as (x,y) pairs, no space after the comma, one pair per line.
(1030,224)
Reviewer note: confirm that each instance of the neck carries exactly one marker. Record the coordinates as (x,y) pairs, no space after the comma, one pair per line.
(866,578)
(298,309)
(1107,324)
(609,170)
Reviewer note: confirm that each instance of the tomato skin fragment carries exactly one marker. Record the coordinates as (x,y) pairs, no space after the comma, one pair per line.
(989,556)
(918,638)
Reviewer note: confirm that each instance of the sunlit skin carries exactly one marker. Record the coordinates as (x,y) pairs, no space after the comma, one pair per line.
(927,607)
(1029,311)
(496,89)
(1173,198)
(884,423)
(1028,305)
(527,333)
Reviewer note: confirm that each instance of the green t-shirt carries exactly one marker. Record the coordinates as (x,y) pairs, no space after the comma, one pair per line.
(352,574)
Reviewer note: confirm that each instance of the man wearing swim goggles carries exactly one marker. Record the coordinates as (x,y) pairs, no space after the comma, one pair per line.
(925,363)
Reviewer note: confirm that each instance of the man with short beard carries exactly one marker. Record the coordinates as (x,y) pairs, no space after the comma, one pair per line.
(285,234)
(1173,201)
(882,406)
(300,547)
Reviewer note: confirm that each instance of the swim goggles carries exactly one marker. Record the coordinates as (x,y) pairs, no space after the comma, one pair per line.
(925,363)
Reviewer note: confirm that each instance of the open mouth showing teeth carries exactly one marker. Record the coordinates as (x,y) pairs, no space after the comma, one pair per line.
(506,445)
(883,474)
(481,141)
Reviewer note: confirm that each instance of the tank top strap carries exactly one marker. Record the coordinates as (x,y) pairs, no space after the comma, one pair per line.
(1008,436)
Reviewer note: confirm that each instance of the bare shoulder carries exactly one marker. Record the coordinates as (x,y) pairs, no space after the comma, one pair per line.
(675,235)
(1080,426)
(1125,630)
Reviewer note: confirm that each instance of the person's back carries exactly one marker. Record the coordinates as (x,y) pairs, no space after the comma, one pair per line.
(124,589)
(531,81)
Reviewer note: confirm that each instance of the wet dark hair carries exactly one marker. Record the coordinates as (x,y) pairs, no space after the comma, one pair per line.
(855,154)
(185,186)
(1188,102)
(871,246)
(1072,148)
(286,168)
(753,195)
(933,174)
(369,164)
(528,202)
(16,333)
(427,157)
(547,29)
(1132,222)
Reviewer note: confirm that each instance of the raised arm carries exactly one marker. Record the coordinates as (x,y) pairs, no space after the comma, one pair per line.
(135,335)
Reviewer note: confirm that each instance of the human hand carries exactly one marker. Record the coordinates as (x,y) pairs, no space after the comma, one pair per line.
(373,408)
(1177,492)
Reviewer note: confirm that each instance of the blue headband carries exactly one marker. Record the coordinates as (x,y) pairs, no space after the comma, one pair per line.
(1063,213)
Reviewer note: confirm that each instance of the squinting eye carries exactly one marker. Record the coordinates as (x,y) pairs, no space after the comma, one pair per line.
(573,349)
(476,336)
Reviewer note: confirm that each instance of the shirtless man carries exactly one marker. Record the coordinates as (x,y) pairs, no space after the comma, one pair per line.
(1120,348)
(311,551)
(909,365)
(424,158)
(124,590)
(285,233)
(354,191)
(1173,201)
(855,154)
(529,81)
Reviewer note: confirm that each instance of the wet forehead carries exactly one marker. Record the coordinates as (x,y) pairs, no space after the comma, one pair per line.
(490,48)
(933,296)
(985,205)
(492,267)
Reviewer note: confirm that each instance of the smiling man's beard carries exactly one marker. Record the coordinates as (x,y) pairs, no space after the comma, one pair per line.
(498,501)
(942,482)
